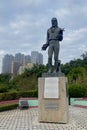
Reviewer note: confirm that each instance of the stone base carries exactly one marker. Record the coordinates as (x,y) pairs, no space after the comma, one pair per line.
(59,74)
(53,107)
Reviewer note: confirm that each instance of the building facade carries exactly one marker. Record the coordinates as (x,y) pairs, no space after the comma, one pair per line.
(36,57)
(15,67)
(40,58)
(20,58)
(7,63)
(27,59)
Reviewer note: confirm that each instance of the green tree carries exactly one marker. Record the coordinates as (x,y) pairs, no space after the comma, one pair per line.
(76,90)
(29,79)
(76,75)
(4,78)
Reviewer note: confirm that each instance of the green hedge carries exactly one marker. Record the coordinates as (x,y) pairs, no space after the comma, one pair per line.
(76,91)
(16,95)
(8,107)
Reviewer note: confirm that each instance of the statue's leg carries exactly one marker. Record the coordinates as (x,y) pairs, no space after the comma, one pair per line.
(50,53)
(56,55)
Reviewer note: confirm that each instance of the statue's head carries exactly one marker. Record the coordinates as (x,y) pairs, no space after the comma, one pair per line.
(54,22)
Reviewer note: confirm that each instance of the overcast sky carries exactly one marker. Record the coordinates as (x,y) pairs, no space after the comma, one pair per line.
(24,24)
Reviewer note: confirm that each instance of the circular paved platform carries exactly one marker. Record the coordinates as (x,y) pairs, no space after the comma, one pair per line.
(28,120)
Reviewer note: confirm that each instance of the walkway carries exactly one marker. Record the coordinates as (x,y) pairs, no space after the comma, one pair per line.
(28,120)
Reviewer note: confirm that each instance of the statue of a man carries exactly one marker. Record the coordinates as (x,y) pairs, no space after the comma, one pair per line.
(54,35)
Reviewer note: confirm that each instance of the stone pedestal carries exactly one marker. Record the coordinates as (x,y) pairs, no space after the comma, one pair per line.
(53,99)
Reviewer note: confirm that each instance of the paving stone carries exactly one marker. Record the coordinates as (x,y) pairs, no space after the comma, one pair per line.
(28,120)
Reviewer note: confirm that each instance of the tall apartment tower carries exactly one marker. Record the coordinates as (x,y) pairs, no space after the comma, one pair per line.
(40,58)
(7,63)
(20,58)
(27,59)
(36,57)
(15,68)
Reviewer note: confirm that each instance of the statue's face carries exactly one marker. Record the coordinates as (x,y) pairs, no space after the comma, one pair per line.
(54,22)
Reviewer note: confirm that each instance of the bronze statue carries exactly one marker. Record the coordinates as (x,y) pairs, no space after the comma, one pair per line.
(54,35)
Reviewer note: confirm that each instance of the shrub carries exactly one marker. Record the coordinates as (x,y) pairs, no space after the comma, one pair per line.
(8,107)
(8,96)
(32,93)
(76,90)
(16,95)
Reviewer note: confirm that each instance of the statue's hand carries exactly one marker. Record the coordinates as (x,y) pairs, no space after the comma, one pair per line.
(60,35)
(44,47)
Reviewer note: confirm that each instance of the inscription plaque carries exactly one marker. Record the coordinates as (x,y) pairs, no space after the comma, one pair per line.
(51,89)
(51,105)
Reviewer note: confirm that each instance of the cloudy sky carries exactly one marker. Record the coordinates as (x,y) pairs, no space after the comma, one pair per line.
(24,24)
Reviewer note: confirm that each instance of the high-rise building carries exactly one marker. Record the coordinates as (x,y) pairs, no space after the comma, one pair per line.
(40,58)
(20,58)
(12,63)
(15,68)
(36,57)
(7,64)
(27,59)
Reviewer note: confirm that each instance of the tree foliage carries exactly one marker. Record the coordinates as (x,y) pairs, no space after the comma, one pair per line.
(4,78)
(76,91)
(29,79)
(76,63)
(76,71)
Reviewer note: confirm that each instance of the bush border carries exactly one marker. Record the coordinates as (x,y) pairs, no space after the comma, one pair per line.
(8,107)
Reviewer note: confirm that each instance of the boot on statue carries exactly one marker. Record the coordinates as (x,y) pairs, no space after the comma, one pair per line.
(50,65)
